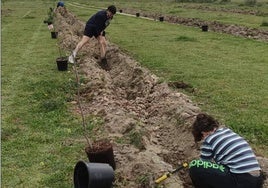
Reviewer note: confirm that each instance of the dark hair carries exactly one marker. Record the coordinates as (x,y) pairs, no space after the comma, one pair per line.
(203,123)
(112,9)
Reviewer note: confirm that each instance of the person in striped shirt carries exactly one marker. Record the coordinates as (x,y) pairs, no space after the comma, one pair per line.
(226,159)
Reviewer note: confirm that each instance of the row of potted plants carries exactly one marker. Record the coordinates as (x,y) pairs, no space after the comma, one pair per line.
(99,153)
(62,61)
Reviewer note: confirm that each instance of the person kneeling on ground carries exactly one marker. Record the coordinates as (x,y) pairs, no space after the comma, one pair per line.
(95,26)
(226,159)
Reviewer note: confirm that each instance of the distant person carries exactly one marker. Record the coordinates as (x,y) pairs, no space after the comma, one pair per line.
(95,26)
(226,159)
(60,4)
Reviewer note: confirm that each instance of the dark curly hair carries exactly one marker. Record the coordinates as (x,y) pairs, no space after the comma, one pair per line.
(203,123)
(112,9)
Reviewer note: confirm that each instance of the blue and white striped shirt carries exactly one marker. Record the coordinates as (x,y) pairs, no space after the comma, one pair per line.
(228,148)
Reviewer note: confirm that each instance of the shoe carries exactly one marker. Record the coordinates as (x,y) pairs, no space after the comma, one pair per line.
(71,59)
(104,64)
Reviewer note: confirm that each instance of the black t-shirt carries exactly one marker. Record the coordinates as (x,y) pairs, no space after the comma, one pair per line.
(99,21)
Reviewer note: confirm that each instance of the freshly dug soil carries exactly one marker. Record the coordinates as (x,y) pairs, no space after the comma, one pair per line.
(98,146)
(101,151)
(62,59)
(147,122)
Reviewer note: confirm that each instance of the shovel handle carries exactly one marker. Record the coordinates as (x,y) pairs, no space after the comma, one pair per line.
(165,176)
(184,165)
(162,178)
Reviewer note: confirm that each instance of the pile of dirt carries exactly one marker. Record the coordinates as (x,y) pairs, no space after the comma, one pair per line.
(147,122)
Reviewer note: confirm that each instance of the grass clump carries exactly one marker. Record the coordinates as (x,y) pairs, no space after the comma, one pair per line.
(265,22)
(135,138)
(186,39)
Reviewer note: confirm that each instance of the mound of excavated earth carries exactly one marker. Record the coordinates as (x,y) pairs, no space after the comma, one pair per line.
(147,122)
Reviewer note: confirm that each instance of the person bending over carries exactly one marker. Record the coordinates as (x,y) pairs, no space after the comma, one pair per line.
(95,26)
(226,159)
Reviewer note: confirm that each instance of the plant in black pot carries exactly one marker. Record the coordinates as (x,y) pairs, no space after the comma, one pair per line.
(99,171)
(161,18)
(204,28)
(101,150)
(54,33)
(52,29)
(62,61)
(50,16)
(50,22)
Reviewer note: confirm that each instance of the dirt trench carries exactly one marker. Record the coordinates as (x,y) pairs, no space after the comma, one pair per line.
(147,122)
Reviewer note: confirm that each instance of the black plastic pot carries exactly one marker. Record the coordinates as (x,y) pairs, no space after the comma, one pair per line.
(101,152)
(138,14)
(62,63)
(93,175)
(54,34)
(204,28)
(161,18)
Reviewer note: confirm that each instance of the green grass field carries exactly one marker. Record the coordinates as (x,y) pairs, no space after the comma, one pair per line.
(37,128)
(41,140)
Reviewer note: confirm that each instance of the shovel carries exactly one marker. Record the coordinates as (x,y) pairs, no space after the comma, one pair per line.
(165,176)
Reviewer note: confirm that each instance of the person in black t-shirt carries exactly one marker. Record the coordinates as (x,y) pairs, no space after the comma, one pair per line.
(95,26)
